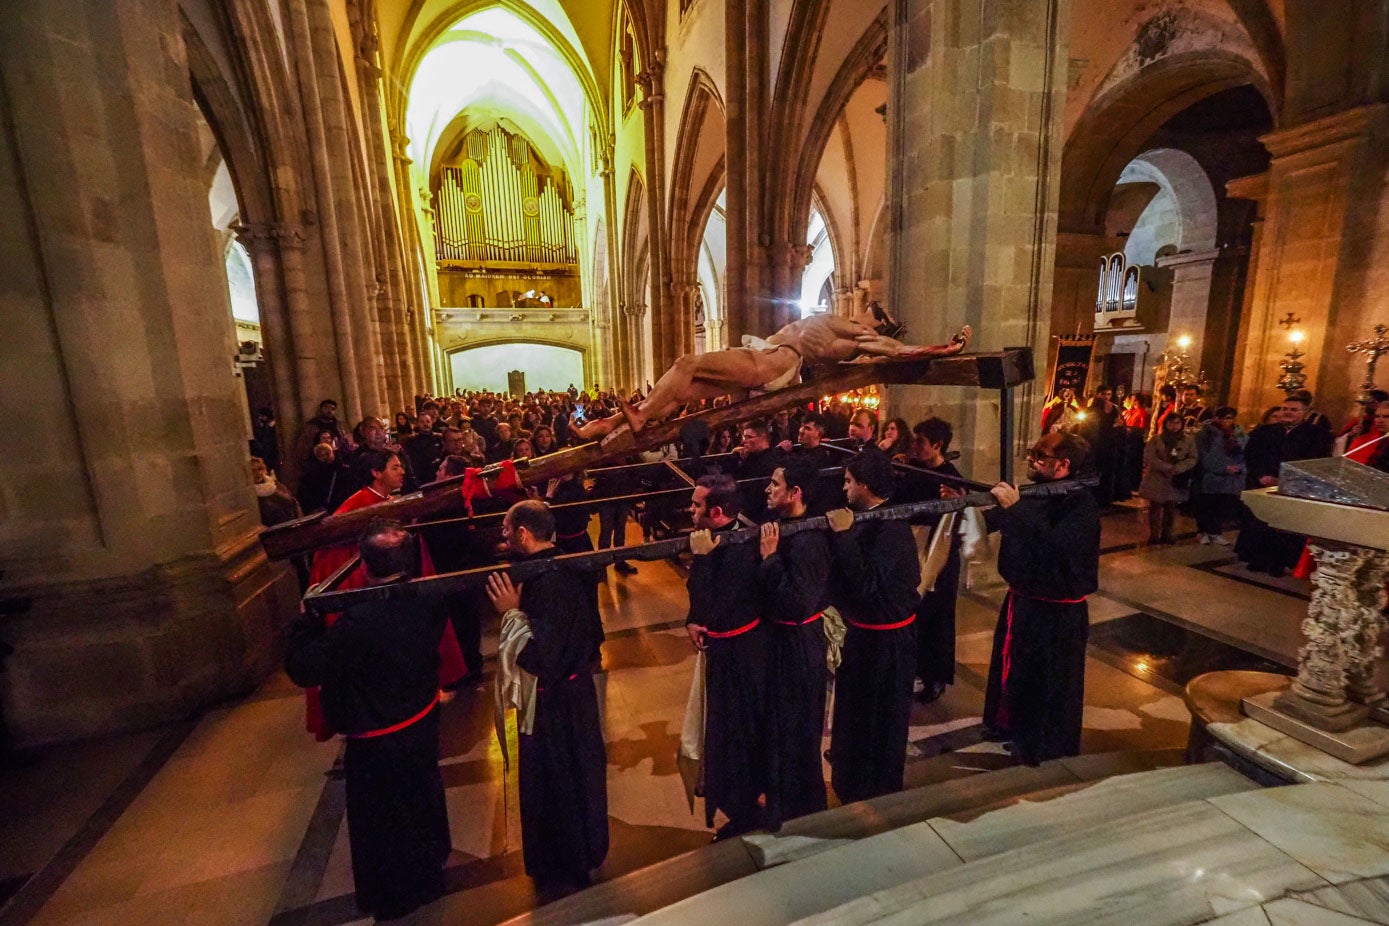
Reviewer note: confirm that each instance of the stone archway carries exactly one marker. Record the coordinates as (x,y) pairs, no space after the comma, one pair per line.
(697,178)
(629,344)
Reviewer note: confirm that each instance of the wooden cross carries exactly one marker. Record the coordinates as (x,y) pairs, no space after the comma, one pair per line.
(1372,348)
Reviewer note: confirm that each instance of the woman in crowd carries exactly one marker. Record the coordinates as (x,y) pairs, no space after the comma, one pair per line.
(404,426)
(896,440)
(543,440)
(1169,456)
(521,449)
(1220,448)
(722,441)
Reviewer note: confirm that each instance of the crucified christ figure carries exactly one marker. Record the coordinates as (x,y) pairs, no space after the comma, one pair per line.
(771,364)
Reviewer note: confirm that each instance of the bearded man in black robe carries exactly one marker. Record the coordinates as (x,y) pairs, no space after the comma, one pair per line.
(725,622)
(794,576)
(563,766)
(378,670)
(876,577)
(1050,558)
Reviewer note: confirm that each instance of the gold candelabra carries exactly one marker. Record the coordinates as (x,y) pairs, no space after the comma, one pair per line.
(1294,370)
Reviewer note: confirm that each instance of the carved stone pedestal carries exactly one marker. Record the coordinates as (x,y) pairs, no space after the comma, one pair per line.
(1329,704)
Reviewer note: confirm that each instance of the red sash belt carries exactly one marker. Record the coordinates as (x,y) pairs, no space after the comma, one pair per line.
(1003,712)
(573,536)
(397,727)
(809,620)
(725,634)
(897,626)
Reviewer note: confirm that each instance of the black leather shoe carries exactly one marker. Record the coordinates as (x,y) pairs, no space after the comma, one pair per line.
(931,693)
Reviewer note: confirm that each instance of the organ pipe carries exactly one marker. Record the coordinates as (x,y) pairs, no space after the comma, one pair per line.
(497,175)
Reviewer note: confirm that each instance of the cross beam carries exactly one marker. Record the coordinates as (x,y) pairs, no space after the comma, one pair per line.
(1000,370)
(322,599)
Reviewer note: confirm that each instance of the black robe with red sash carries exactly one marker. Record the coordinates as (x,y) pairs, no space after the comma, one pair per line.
(1050,558)
(378,671)
(876,575)
(724,598)
(563,765)
(935,612)
(795,592)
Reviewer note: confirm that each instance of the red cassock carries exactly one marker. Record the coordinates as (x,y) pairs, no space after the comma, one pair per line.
(329,560)
(1363,448)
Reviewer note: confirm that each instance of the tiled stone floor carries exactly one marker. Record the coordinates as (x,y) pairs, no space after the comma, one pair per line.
(237,817)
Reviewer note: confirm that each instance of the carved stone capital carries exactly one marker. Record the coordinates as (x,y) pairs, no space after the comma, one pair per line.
(400,145)
(262,236)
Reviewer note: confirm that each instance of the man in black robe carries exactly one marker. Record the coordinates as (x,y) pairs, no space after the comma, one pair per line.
(563,766)
(1050,558)
(794,576)
(725,622)
(876,576)
(935,613)
(756,459)
(1293,435)
(827,492)
(378,668)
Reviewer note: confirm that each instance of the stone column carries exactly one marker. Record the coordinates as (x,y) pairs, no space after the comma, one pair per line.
(607,313)
(345,186)
(260,243)
(127,515)
(1254,189)
(1191,298)
(1324,189)
(414,260)
(653,107)
(976,89)
(330,230)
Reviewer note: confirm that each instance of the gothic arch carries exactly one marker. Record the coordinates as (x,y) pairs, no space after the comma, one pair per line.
(635,242)
(251,148)
(797,187)
(1182,175)
(1115,127)
(697,177)
(417,40)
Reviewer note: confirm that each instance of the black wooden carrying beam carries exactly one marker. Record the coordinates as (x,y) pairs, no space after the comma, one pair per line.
(321,600)
(1001,370)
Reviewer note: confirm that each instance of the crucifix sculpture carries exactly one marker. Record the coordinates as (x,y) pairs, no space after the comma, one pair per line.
(1372,348)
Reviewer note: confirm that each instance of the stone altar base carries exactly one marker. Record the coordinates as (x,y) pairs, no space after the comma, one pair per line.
(1356,743)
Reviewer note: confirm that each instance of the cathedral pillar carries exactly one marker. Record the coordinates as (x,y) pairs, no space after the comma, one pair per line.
(1321,257)
(745,68)
(414,260)
(975,96)
(666,345)
(127,517)
(261,244)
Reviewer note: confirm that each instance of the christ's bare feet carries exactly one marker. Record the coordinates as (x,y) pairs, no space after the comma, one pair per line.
(636,418)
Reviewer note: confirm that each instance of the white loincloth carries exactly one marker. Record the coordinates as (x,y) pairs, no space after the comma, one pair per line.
(792,375)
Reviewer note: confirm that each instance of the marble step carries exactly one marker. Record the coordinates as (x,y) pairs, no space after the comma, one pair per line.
(672,880)
(844,870)
(1274,850)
